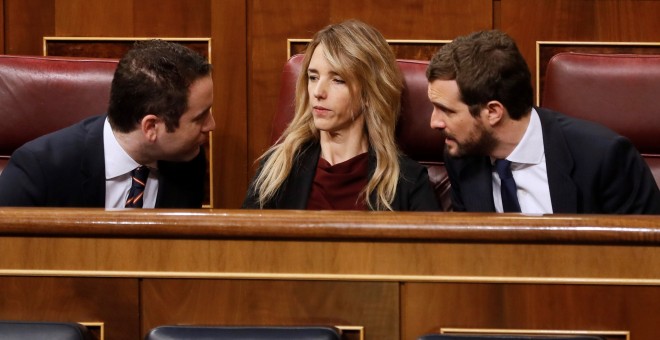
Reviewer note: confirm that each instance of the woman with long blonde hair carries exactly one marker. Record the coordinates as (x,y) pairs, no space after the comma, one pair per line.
(339,151)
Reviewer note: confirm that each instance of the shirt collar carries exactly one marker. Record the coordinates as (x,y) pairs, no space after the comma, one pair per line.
(117,161)
(530,149)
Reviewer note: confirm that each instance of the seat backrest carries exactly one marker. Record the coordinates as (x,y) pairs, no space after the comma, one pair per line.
(21,330)
(239,333)
(619,91)
(414,135)
(507,337)
(39,95)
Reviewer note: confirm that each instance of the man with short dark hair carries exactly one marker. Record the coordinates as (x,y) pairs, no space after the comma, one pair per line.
(145,153)
(504,155)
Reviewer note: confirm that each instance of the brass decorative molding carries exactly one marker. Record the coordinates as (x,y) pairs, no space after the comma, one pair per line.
(403,48)
(608,334)
(333,277)
(351,332)
(96,329)
(545,50)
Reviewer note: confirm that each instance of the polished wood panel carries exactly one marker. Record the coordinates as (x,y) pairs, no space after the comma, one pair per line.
(230,139)
(93,18)
(271,25)
(73,299)
(373,305)
(600,310)
(586,20)
(26,22)
(2,26)
(174,18)
(428,270)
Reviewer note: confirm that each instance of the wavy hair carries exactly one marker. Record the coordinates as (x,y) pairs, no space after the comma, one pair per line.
(360,55)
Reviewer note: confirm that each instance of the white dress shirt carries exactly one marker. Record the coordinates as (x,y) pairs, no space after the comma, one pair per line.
(118,167)
(529,171)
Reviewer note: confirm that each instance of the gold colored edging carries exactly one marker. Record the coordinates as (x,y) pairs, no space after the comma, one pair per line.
(291,41)
(358,329)
(333,277)
(532,332)
(99,325)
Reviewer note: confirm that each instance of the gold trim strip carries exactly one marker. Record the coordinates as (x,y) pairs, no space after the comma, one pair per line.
(289,41)
(334,277)
(359,329)
(535,331)
(96,324)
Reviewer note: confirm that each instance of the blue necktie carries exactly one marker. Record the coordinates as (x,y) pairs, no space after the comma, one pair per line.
(138,182)
(508,187)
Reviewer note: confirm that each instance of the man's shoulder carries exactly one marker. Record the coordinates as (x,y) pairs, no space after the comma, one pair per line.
(70,136)
(573,127)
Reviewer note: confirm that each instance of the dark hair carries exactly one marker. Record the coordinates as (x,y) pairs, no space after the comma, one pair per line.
(486,65)
(154,77)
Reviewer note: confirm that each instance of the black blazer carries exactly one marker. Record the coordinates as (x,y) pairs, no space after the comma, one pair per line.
(414,190)
(590,168)
(67,169)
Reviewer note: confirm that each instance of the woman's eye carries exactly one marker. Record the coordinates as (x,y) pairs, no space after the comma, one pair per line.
(312,77)
(339,81)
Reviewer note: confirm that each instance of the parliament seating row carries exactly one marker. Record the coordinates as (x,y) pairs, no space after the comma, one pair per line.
(43,330)
(42,94)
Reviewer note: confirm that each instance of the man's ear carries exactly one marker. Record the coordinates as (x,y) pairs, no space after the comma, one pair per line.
(494,111)
(149,125)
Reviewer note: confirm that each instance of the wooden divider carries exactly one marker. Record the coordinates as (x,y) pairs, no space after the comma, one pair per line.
(398,275)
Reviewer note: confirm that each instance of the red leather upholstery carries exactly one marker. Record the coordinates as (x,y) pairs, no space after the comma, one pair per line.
(39,95)
(619,91)
(414,135)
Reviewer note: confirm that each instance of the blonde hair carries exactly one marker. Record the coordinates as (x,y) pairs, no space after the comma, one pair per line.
(361,56)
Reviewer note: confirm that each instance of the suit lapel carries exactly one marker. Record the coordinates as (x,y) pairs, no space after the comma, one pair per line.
(299,183)
(472,186)
(92,168)
(559,163)
(478,182)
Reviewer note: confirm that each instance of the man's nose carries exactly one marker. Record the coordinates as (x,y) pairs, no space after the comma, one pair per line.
(437,120)
(210,123)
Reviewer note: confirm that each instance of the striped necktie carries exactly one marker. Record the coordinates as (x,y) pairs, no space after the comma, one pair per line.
(138,182)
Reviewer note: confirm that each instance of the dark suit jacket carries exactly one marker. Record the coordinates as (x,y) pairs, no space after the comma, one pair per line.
(414,190)
(67,169)
(590,170)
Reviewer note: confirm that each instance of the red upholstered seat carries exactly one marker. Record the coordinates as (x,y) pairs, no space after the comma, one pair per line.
(620,91)
(414,135)
(39,95)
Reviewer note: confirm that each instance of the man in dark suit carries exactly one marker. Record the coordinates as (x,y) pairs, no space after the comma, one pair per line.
(504,155)
(145,153)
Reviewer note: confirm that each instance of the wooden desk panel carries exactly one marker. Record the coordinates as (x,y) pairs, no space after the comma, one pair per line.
(114,302)
(428,270)
(372,305)
(600,309)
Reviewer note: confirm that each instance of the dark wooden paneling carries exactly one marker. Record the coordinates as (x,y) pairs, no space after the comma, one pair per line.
(2,26)
(272,22)
(114,302)
(585,20)
(94,18)
(230,139)
(172,18)
(373,305)
(427,307)
(26,22)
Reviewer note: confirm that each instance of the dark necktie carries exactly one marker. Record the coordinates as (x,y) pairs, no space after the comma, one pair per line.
(508,186)
(138,181)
